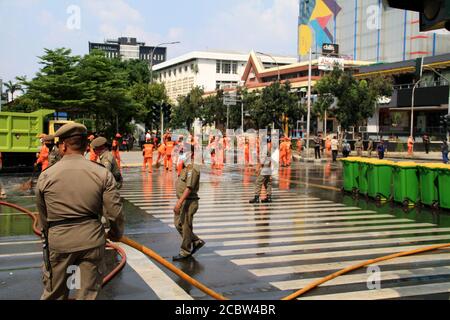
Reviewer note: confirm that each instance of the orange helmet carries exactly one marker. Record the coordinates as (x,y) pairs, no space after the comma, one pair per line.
(118,135)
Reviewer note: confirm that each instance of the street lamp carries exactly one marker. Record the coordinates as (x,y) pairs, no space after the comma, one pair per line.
(151,57)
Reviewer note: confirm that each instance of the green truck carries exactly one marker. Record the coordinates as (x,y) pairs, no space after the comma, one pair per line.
(19,135)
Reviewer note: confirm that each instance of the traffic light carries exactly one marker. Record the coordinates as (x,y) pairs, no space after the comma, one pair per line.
(434,14)
(445,122)
(419,68)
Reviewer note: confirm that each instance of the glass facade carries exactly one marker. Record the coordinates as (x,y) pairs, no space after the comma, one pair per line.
(366,30)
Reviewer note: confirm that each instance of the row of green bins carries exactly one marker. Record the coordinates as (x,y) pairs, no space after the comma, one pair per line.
(351,173)
(429,190)
(379,177)
(444,186)
(406,183)
(363,183)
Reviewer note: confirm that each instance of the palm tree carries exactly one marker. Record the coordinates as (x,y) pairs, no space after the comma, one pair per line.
(12,88)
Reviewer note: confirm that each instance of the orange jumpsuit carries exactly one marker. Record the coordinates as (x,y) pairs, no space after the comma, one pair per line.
(168,163)
(115,151)
(148,157)
(289,152)
(43,157)
(410,146)
(161,152)
(247,153)
(328,146)
(92,155)
(284,153)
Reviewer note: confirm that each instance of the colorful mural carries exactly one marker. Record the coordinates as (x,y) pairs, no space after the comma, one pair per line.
(314,18)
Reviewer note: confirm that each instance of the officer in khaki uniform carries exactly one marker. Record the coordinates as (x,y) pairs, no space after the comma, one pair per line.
(54,156)
(107,159)
(264,177)
(187,187)
(70,196)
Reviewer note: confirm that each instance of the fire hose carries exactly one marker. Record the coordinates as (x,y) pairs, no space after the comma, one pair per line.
(153,255)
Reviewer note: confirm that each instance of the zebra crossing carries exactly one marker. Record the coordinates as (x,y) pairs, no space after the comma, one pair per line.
(301,238)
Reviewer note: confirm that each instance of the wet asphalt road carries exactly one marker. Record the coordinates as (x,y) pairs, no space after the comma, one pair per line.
(252,251)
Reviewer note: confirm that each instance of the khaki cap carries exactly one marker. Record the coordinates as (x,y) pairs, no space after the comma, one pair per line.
(70,130)
(49,138)
(98,142)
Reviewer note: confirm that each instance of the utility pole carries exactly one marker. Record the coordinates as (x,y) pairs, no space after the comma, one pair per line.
(308,125)
(151,57)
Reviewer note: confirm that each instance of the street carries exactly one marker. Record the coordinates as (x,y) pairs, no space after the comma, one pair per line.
(262,252)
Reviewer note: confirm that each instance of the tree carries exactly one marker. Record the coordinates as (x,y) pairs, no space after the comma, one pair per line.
(213,111)
(355,99)
(13,88)
(188,108)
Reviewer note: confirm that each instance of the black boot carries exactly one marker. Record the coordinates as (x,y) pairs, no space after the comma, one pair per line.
(267,200)
(254,200)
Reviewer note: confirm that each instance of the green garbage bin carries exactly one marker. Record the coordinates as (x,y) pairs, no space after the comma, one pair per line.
(428,181)
(351,173)
(405,179)
(444,186)
(379,178)
(363,183)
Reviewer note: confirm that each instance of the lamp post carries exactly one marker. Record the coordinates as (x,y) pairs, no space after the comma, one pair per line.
(308,125)
(151,57)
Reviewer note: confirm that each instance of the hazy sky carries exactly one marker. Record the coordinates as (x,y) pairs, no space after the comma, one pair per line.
(28,26)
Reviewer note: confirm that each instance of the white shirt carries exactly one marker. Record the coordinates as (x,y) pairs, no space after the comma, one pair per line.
(334,144)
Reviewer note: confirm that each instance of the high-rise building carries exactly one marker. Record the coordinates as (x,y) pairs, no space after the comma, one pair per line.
(130,48)
(366,30)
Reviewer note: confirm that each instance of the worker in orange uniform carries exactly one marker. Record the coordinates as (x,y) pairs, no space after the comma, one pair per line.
(115,148)
(170,145)
(328,145)
(43,155)
(147,152)
(289,151)
(92,155)
(284,152)
(161,153)
(410,145)
(247,152)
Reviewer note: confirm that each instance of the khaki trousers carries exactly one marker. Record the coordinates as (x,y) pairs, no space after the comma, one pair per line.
(184,224)
(266,181)
(90,264)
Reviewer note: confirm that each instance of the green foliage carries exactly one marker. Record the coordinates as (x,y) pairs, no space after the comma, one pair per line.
(355,99)
(110,92)
(188,109)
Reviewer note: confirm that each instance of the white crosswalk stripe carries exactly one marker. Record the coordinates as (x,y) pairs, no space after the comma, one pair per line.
(300,238)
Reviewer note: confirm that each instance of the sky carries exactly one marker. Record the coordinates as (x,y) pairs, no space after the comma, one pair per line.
(29,26)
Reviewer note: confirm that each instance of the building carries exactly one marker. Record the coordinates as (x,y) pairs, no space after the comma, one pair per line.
(366,30)
(130,48)
(210,70)
(393,116)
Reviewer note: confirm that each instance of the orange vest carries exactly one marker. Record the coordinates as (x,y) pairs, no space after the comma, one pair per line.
(148,150)
(169,147)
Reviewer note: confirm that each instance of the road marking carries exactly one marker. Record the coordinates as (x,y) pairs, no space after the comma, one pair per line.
(14,243)
(329,237)
(248,217)
(363,278)
(290,226)
(359,243)
(164,287)
(388,293)
(264,272)
(303,231)
(25,254)
(323,255)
